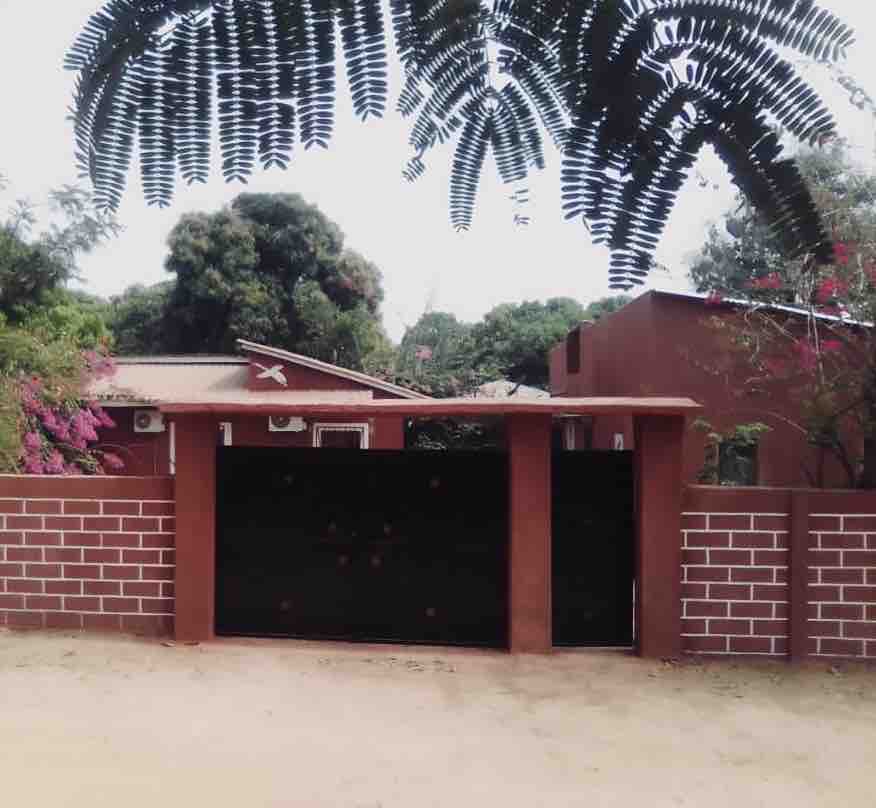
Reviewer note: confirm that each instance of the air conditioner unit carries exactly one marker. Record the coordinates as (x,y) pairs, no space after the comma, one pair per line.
(286,423)
(148,421)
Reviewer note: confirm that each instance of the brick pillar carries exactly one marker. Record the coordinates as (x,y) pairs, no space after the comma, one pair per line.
(659,441)
(798,577)
(529,444)
(196,438)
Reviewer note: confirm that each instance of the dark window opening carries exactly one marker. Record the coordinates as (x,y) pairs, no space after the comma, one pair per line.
(573,351)
(737,465)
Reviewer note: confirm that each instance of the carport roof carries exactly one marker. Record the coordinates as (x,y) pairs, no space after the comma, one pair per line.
(446,407)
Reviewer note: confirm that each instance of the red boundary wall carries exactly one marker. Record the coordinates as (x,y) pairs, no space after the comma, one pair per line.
(779,572)
(87,552)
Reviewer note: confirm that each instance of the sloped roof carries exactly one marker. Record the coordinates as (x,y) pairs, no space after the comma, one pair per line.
(219,380)
(325,367)
(502,388)
(734,302)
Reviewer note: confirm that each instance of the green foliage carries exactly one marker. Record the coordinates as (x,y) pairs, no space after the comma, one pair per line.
(513,340)
(46,331)
(818,352)
(605,306)
(734,442)
(58,363)
(270,268)
(136,319)
(747,251)
(34,269)
(629,91)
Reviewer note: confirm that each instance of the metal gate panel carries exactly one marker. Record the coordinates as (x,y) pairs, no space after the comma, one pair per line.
(593,528)
(373,545)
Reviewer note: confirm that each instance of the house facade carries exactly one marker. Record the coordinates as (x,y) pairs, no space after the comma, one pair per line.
(145,439)
(667,344)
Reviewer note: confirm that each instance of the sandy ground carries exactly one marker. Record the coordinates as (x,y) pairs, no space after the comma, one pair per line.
(114,721)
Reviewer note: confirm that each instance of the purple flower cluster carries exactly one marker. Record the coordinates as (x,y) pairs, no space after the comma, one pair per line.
(57,437)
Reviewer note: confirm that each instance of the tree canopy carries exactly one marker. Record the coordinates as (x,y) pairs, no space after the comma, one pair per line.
(818,345)
(270,268)
(445,357)
(52,341)
(744,254)
(629,90)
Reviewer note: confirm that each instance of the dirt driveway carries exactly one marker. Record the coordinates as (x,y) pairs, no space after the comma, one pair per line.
(94,721)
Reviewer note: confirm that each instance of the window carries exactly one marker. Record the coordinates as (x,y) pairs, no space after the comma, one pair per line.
(573,350)
(737,463)
(341,436)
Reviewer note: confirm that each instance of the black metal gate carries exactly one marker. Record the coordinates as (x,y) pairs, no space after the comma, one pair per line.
(397,546)
(593,540)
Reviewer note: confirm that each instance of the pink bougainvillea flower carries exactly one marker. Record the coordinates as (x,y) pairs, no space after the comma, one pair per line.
(714,299)
(423,352)
(806,354)
(30,402)
(831,289)
(105,420)
(33,442)
(841,253)
(771,281)
(831,346)
(112,462)
(81,426)
(55,463)
(33,464)
(775,366)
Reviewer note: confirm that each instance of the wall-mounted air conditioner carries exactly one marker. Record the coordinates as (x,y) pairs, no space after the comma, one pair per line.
(148,421)
(286,423)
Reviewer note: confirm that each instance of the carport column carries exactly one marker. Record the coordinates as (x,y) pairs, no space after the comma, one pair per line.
(659,441)
(196,438)
(529,440)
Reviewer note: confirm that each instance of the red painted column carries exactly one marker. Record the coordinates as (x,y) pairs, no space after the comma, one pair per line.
(196,438)
(388,432)
(529,444)
(659,441)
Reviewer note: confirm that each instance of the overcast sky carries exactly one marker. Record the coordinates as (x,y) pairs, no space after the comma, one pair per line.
(404,228)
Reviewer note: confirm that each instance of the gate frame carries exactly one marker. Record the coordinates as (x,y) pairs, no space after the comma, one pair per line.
(659,427)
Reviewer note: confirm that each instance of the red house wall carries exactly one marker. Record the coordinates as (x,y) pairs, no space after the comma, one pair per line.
(660,345)
(148,454)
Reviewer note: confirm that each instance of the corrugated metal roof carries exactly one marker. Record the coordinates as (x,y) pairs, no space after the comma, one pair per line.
(737,301)
(210,380)
(502,388)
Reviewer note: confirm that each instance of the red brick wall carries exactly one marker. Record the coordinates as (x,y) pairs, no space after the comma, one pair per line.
(737,571)
(734,583)
(842,584)
(87,553)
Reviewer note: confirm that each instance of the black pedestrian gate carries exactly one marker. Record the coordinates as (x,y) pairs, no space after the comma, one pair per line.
(397,546)
(593,540)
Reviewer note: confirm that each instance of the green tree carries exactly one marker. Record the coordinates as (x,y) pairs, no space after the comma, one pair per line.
(35,268)
(629,91)
(434,357)
(605,306)
(270,268)
(738,258)
(136,319)
(514,339)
